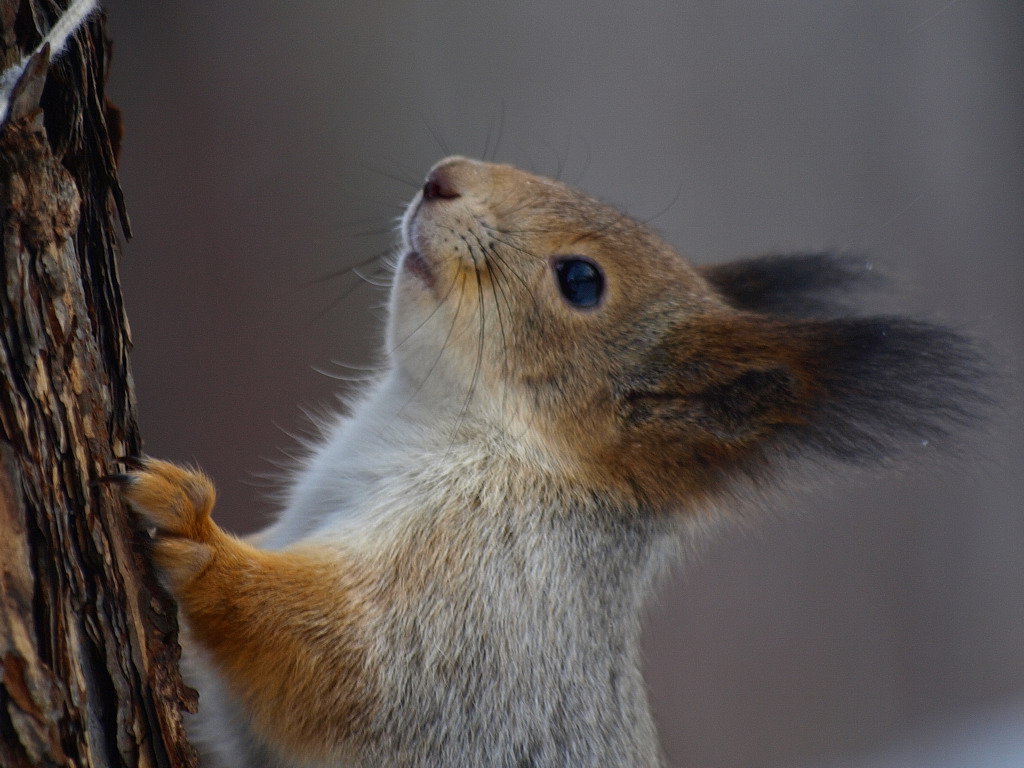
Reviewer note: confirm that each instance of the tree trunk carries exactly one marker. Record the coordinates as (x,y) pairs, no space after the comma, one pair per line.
(88,640)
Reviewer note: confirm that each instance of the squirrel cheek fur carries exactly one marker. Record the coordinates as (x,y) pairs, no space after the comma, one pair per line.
(457,573)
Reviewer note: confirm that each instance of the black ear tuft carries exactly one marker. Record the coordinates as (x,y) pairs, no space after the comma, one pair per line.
(888,384)
(743,393)
(798,285)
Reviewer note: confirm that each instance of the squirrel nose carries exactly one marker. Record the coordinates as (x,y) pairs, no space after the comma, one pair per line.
(440,186)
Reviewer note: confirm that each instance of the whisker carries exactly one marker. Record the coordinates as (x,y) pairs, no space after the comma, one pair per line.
(344,271)
(620,218)
(374,277)
(525,231)
(492,274)
(394,177)
(487,140)
(444,344)
(479,350)
(501,128)
(391,205)
(667,208)
(365,221)
(586,164)
(375,232)
(494,269)
(341,297)
(372,367)
(495,236)
(514,271)
(436,134)
(558,159)
(512,211)
(335,238)
(444,298)
(561,164)
(343,377)
(564,158)
(498,272)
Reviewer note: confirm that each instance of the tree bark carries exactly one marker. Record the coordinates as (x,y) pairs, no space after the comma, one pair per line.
(88,640)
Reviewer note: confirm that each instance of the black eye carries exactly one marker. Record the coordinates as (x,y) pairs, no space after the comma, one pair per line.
(580,281)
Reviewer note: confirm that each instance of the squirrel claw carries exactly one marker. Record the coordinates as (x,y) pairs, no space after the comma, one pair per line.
(177,502)
(118,478)
(132,461)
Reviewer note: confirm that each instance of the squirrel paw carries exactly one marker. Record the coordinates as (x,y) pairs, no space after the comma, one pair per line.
(177,501)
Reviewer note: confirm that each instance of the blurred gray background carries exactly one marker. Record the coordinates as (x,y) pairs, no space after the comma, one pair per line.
(879,622)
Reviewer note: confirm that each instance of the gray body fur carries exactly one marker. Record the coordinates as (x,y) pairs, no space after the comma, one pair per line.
(528,656)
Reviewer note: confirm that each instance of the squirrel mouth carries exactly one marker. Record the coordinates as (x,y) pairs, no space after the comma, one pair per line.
(416,264)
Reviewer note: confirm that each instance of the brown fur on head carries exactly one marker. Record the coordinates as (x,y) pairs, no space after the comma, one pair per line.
(678,380)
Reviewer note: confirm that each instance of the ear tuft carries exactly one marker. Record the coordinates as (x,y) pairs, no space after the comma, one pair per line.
(886,385)
(797,285)
(734,394)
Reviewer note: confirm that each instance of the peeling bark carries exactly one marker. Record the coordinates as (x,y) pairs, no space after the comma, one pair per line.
(88,640)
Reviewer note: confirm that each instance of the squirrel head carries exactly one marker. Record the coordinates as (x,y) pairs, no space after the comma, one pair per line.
(578,330)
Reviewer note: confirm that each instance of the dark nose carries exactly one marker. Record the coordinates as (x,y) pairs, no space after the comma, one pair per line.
(440,186)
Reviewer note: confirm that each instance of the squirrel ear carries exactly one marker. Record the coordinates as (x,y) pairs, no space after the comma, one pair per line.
(797,285)
(738,392)
(884,384)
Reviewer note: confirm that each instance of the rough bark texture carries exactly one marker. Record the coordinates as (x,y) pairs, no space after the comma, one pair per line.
(88,642)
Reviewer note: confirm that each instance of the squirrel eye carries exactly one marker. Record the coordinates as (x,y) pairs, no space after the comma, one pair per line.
(580,281)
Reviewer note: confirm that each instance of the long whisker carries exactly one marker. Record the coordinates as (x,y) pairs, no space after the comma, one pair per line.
(586,164)
(436,134)
(495,268)
(501,129)
(347,292)
(394,177)
(342,377)
(487,140)
(386,223)
(558,159)
(371,368)
(351,268)
(374,277)
(498,270)
(388,229)
(495,236)
(479,350)
(620,219)
(447,338)
(493,282)
(667,208)
(515,272)
(438,306)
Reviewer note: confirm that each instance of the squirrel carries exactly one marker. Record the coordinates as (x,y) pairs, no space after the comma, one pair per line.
(457,574)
